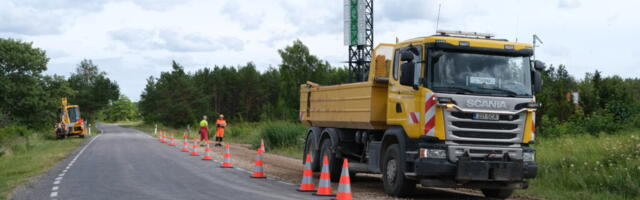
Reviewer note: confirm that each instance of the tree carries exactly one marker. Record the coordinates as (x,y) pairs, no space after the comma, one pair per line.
(299,66)
(95,90)
(23,94)
(122,109)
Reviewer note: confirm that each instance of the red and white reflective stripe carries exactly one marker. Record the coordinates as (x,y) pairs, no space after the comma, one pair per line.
(430,114)
(413,118)
(533,127)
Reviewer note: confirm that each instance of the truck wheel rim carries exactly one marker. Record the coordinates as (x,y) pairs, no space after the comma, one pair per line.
(391,170)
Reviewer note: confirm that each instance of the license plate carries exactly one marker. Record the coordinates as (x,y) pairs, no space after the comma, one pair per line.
(486,116)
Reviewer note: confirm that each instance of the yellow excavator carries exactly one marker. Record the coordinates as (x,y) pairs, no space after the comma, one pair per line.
(70,123)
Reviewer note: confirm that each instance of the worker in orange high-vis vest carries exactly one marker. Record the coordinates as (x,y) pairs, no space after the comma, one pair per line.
(220,124)
(204,130)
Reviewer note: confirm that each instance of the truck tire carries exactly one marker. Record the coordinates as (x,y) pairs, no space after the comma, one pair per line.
(310,147)
(335,164)
(497,193)
(395,182)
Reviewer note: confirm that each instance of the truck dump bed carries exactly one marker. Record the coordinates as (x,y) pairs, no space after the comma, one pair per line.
(359,105)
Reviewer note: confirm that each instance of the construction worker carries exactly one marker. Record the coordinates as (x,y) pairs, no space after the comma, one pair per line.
(204,130)
(220,124)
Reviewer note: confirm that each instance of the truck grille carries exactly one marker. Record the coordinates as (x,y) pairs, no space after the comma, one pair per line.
(460,126)
(485,125)
(463,115)
(484,135)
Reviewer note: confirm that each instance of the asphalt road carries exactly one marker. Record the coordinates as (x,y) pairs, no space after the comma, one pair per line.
(128,164)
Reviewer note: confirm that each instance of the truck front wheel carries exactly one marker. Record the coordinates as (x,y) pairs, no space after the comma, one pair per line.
(497,193)
(335,164)
(393,178)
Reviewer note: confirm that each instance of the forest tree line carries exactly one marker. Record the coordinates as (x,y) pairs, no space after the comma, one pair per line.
(241,93)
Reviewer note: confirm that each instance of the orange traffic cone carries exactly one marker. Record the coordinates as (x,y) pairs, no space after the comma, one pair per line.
(262,149)
(185,145)
(307,177)
(207,153)
(226,161)
(324,185)
(164,138)
(258,171)
(344,187)
(172,141)
(194,148)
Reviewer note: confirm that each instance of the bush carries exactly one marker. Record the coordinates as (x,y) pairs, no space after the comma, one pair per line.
(11,132)
(599,122)
(282,134)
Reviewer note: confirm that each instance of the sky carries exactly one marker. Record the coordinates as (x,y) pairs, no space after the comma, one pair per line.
(132,40)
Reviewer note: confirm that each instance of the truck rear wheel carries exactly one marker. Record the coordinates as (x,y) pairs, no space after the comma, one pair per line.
(497,193)
(335,164)
(393,178)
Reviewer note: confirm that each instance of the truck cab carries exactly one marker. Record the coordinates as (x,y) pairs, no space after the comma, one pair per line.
(455,109)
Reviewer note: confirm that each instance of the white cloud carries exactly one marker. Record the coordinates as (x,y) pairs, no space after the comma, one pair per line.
(139,39)
(568,4)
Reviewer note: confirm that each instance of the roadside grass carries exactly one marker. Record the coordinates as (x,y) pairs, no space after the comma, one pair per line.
(280,137)
(30,155)
(588,167)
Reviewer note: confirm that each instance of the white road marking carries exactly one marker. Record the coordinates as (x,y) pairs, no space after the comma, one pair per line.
(54,192)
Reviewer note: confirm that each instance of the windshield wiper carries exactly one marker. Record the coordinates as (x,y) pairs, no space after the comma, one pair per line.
(508,92)
(456,89)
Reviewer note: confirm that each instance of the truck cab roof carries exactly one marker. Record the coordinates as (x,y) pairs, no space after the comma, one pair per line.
(470,40)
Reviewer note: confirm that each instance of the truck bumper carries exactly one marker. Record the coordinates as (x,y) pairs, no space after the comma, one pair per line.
(466,170)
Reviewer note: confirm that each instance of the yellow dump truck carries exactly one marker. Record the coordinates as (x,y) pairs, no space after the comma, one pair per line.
(455,109)
(70,121)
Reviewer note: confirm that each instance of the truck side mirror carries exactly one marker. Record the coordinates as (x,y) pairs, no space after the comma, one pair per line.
(406,56)
(406,76)
(539,65)
(537,82)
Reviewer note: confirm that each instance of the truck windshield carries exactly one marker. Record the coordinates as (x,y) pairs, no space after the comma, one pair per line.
(480,74)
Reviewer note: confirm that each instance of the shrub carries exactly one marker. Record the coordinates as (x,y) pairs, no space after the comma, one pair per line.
(600,122)
(282,134)
(13,131)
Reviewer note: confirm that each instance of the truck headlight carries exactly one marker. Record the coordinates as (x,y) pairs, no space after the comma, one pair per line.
(529,156)
(433,153)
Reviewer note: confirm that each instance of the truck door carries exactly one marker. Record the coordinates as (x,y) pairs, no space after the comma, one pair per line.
(403,106)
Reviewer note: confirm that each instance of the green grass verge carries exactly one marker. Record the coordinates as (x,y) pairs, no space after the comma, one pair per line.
(588,167)
(25,157)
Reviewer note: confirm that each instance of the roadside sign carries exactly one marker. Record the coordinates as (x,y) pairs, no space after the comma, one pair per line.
(354,22)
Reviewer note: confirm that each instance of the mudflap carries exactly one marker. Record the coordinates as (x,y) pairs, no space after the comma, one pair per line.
(480,170)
